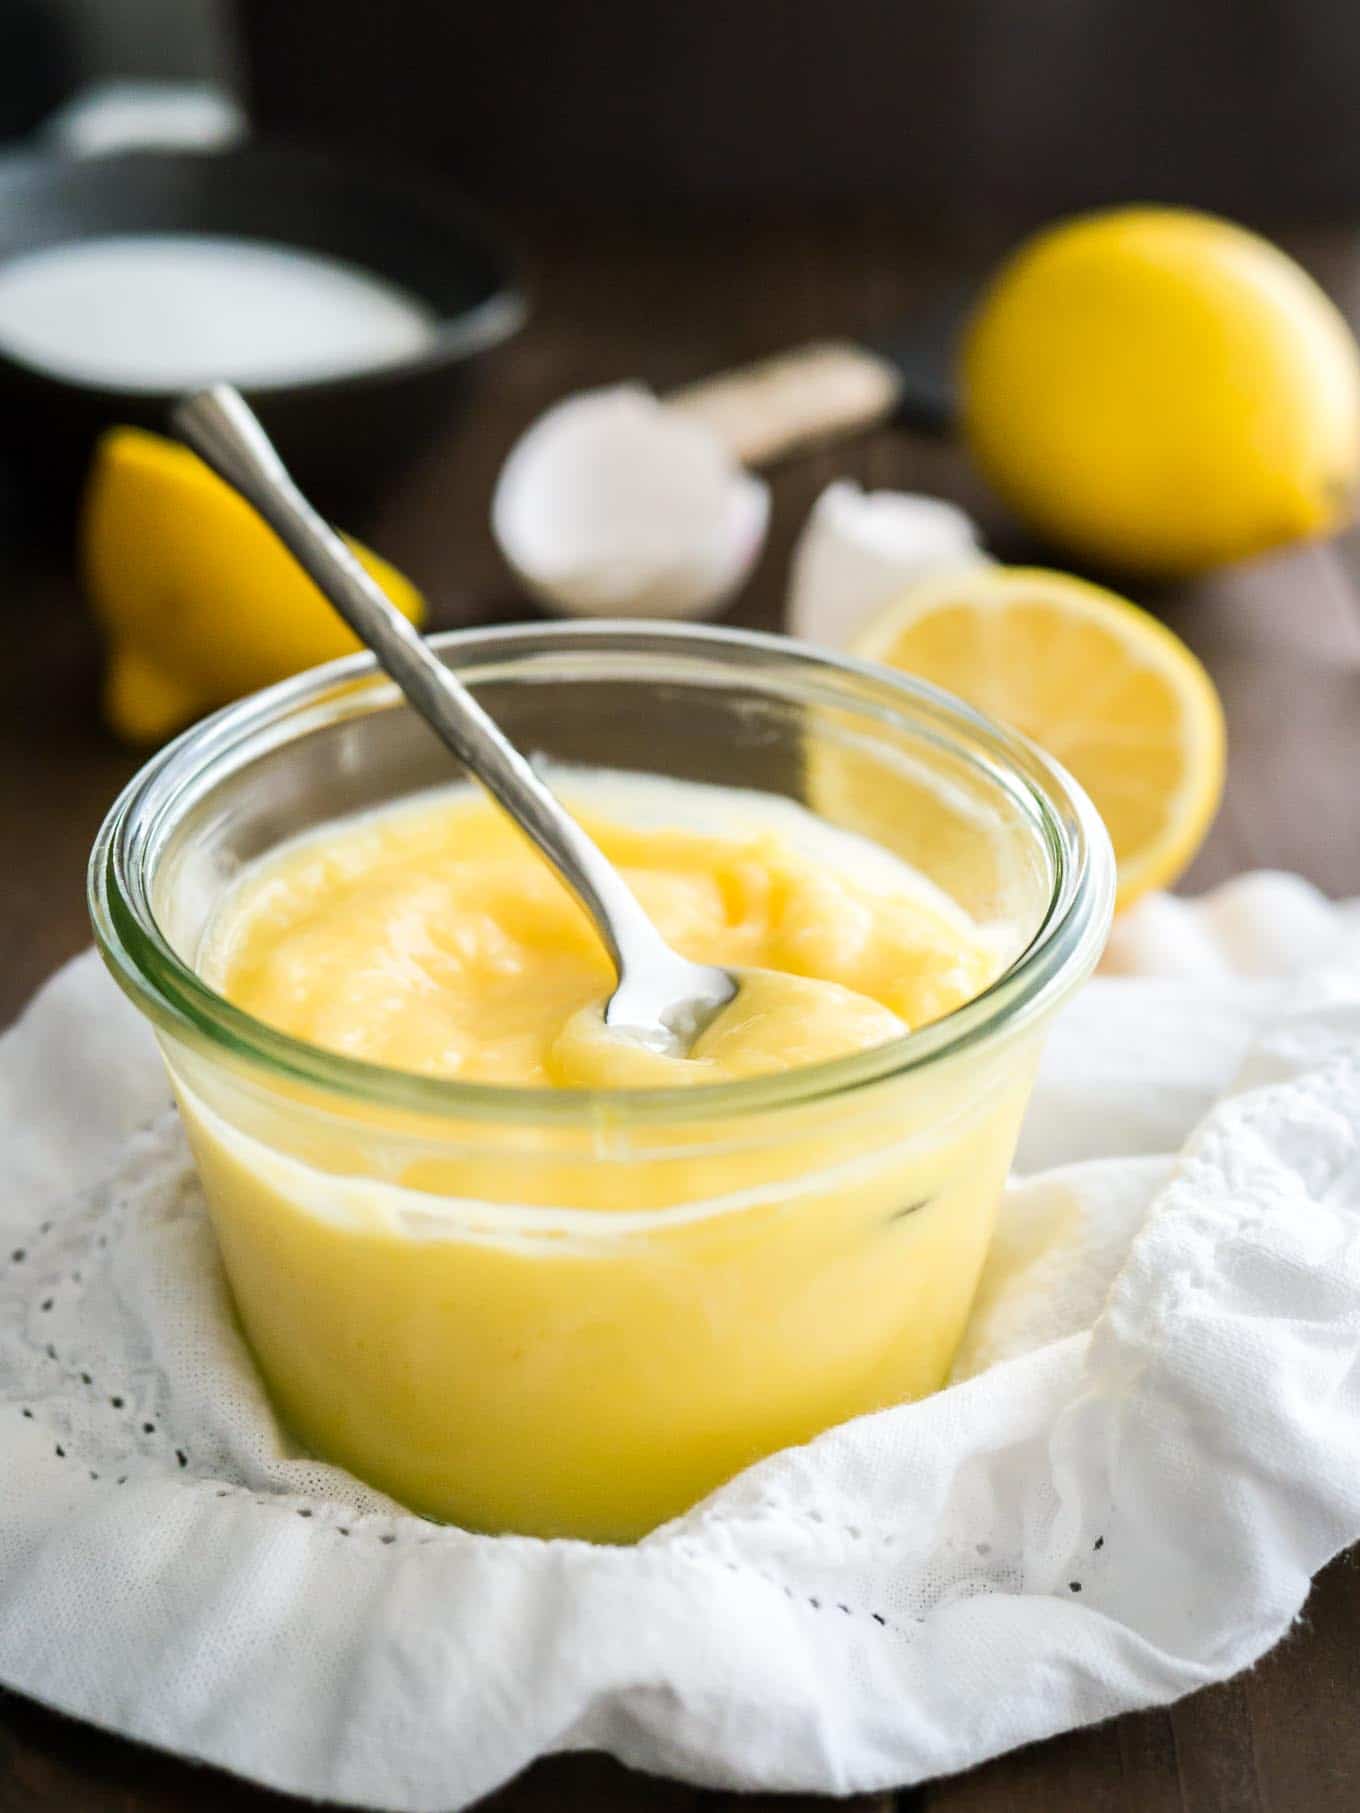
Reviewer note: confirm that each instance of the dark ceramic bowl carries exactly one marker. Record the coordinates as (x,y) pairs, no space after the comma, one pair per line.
(345,437)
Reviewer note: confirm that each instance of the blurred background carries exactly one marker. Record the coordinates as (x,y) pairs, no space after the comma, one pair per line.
(945,131)
(976,115)
(578,196)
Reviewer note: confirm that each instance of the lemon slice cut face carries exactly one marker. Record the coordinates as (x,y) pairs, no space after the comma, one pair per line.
(1096,682)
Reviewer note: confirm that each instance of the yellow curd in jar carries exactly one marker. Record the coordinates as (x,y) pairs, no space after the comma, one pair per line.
(580,1327)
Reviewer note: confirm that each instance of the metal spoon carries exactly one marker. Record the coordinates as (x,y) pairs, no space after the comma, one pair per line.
(662,1000)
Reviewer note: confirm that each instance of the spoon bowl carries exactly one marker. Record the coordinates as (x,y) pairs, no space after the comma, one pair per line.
(666,1005)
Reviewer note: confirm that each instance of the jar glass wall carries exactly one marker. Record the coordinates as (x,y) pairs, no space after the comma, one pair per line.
(575,1312)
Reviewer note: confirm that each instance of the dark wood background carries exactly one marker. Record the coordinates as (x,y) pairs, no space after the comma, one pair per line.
(621,297)
(994,111)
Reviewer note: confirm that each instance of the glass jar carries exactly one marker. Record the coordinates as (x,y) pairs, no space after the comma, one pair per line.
(569,1312)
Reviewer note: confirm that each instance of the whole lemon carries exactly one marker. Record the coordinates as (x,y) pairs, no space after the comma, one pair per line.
(1163,391)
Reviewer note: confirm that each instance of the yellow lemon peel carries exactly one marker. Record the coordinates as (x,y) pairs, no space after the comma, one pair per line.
(198,602)
(1163,391)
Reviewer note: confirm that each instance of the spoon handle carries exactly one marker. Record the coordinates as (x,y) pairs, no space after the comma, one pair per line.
(221,428)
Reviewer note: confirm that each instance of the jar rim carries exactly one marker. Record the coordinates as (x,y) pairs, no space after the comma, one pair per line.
(180,1003)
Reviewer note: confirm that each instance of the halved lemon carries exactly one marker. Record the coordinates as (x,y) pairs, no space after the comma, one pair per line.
(1093,680)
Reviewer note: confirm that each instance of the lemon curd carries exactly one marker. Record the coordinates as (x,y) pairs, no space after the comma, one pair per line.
(434,938)
(583,1332)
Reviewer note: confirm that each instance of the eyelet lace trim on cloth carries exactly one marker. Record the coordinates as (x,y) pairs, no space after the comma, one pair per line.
(93,1305)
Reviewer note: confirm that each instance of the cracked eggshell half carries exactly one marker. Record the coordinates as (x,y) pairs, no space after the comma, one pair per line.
(613,505)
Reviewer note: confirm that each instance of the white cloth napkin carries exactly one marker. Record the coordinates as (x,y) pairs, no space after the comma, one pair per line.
(1153,1444)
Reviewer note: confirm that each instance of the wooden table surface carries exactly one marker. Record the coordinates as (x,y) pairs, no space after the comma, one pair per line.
(624,298)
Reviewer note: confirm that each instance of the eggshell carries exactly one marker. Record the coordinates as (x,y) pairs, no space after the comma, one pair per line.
(613,505)
(859,550)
